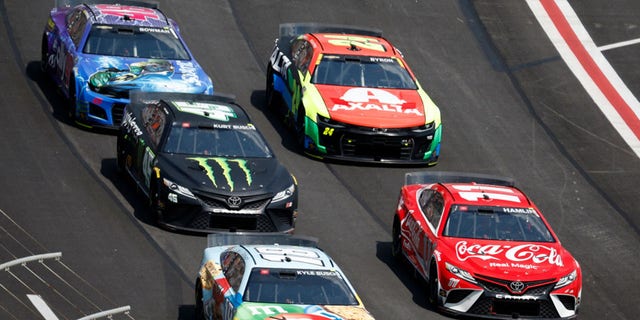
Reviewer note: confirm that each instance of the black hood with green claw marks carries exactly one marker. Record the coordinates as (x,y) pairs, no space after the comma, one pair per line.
(242,176)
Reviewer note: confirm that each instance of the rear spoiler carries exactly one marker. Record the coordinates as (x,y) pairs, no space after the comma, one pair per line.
(426,177)
(137,3)
(252,238)
(143,98)
(291,30)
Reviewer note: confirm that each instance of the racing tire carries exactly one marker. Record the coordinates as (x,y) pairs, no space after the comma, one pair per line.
(199,308)
(396,241)
(153,201)
(432,296)
(269,95)
(44,50)
(72,101)
(299,126)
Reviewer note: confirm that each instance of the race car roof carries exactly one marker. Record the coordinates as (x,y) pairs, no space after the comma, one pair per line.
(352,44)
(128,14)
(473,188)
(195,109)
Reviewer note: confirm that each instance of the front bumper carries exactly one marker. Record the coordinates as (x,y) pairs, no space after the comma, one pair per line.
(210,212)
(100,111)
(331,140)
(492,300)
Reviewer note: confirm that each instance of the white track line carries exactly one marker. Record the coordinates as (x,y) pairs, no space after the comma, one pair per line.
(602,83)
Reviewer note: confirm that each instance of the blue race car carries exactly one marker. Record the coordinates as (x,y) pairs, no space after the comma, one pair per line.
(97,52)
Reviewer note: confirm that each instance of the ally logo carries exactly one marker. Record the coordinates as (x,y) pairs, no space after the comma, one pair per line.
(226,165)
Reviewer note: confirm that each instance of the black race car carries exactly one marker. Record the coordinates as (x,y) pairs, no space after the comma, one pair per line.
(203,165)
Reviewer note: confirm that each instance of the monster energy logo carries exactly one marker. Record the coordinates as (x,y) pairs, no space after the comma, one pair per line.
(224,164)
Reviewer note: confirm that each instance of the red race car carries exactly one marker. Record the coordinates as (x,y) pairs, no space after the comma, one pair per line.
(484,248)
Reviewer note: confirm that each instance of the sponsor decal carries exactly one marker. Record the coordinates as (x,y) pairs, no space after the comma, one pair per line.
(358,41)
(135,13)
(158,30)
(129,123)
(366,99)
(226,166)
(213,111)
(188,72)
(531,253)
(510,297)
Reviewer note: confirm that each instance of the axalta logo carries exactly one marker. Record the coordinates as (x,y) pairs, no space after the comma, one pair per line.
(212,165)
(366,99)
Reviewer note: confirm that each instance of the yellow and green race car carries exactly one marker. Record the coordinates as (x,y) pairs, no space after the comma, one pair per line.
(349,94)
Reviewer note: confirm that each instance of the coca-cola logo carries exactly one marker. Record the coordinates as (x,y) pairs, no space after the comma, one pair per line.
(534,253)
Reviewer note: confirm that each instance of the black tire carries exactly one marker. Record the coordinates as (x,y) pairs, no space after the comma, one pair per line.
(299,126)
(396,241)
(433,286)
(269,95)
(44,49)
(156,212)
(71,104)
(120,158)
(199,308)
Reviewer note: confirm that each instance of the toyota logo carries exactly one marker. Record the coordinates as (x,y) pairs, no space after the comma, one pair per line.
(516,286)
(234,202)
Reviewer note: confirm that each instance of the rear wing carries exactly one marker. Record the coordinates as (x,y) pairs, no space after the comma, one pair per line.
(141,98)
(245,238)
(426,177)
(137,3)
(291,30)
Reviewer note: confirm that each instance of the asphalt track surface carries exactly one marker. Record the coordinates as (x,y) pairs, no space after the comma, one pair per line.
(510,106)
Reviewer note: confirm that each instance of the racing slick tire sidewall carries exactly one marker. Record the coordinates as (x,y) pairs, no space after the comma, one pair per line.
(156,213)
(299,126)
(44,51)
(396,243)
(432,296)
(73,100)
(199,308)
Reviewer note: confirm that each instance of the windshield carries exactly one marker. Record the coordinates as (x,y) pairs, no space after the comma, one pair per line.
(496,223)
(321,287)
(138,42)
(368,72)
(209,141)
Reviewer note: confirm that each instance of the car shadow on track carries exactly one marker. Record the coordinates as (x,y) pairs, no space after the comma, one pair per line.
(55,99)
(401,268)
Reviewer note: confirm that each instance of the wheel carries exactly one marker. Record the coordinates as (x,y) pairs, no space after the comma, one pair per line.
(156,212)
(269,95)
(396,242)
(44,49)
(120,154)
(199,309)
(71,104)
(299,126)
(433,285)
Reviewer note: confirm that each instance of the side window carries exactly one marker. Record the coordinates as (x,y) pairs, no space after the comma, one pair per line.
(154,120)
(301,53)
(76,22)
(233,269)
(432,205)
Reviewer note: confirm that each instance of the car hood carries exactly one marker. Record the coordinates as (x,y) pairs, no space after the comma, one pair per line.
(509,259)
(225,175)
(263,311)
(374,107)
(111,75)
